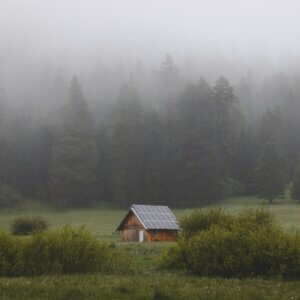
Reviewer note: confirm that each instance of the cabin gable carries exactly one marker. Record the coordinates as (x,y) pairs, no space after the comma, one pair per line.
(130,228)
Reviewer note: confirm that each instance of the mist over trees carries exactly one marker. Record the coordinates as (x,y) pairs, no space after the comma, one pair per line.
(149,136)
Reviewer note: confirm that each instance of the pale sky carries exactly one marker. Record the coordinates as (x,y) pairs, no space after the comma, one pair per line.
(80,32)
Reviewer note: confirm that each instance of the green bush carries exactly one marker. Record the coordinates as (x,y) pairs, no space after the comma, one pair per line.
(59,252)
(243,245)
(65,251)
(203,219)
(28,225)
(11,262)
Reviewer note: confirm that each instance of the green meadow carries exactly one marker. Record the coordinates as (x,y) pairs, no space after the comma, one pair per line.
(154,286)
(146,281)
(104,219)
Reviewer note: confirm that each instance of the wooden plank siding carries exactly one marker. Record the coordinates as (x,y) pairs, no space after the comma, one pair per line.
(131,228)
(160,235)
(132,225)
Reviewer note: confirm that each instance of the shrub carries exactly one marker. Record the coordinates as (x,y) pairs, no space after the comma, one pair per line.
(173,257)
(65,251)
(28,225)
(203,219)
(254,218)
(11,262)
(247,244)
(59,252)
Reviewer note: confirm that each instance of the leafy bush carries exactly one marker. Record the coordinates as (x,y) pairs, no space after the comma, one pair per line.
(65,251)
(58,252)
(203,219)
(244,245)
(11,262)
(28,225)
(9,197)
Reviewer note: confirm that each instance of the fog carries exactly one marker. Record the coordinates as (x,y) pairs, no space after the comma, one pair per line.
(179,102)
(207,38)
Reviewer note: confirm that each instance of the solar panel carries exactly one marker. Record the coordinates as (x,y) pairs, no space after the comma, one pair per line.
(156,217)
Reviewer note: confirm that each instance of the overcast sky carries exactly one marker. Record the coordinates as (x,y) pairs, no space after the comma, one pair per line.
(82,31)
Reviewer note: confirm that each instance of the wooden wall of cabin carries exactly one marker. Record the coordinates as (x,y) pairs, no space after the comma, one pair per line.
(160,235)
(131,228)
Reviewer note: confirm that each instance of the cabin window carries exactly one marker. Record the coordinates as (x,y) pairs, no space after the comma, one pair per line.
(155,232)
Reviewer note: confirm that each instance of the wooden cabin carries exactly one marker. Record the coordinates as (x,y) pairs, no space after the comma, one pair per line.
(149,223)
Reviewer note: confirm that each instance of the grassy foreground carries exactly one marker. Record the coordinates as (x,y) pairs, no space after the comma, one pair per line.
(165,286)
(146,281)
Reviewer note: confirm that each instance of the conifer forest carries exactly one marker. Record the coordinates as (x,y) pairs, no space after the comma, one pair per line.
(147,111)
(150,137)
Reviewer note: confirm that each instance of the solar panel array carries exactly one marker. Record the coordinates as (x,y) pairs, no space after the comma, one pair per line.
(156,217)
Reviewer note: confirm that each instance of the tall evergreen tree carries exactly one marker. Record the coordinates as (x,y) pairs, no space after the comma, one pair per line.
(169,82)
(127,148)
(229,123)
(153,183)
(72,178)
(103,163)
(272,128)
(199,179)
(296,183)
(246,93)
(170,137)
(271,173)
(15,137)
(245,160)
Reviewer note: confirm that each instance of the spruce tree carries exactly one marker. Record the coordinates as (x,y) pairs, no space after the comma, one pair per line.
(171,133)
(229,123)
(271,173)
(102,170)
(199,179)
(169,81)
(272,128)
(245,160)
(296,183)
(153,183)
(72,178)
(127,148)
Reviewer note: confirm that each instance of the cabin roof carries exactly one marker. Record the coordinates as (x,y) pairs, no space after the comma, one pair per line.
(153,217)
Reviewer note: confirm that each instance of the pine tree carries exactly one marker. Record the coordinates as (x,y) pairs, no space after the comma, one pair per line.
(72,178)
(199,179)
(246,93)
(169,82)
(170,138)
(127,148)
(153,184)
(15,135)
(272,128)
(296,183)
(245,160)
(271,173)
(103,163)
(229,123)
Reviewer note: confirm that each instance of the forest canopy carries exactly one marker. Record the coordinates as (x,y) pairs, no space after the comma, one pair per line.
(160,139)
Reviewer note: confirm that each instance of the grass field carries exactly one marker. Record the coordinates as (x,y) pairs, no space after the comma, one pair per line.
(104,219)
(154,286)
(147,281)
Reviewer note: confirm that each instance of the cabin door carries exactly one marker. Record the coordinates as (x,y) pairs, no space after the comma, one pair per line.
(141,236)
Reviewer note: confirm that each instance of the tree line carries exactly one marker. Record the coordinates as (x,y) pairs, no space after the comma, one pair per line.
(195,143)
